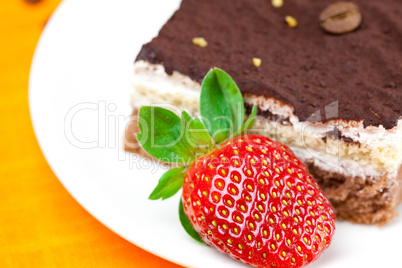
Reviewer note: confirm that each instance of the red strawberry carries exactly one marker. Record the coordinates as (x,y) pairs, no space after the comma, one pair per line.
(249,197)
(253,199)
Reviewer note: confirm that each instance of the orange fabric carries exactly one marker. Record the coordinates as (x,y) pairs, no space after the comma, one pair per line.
(41,225)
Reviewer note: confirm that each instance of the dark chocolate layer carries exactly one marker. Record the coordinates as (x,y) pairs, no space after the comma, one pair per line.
(302,66)
(360,199)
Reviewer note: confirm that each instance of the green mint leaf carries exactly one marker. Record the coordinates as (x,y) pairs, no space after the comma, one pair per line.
(185,222)
(161,135)
(169,184)
(214,109)
(249,122)
(233,97)
(221,105)
(195,134)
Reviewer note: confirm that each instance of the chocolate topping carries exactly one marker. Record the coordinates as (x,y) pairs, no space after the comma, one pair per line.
(304,66)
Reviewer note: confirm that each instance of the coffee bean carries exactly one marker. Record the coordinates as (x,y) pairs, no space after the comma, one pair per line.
(340,17)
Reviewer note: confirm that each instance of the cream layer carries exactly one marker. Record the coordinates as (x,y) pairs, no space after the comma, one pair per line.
(372,152)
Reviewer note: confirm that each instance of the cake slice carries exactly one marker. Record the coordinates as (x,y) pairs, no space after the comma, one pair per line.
(334,99)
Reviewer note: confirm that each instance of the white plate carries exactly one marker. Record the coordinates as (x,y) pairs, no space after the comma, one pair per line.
(79,100)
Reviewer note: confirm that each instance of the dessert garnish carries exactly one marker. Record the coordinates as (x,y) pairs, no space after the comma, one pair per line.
(277,3)
(291,21)
(257,62)
(200,41)
(246,195)
(341,17)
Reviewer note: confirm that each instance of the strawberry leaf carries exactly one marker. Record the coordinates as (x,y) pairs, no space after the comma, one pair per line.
(185,222)
(221,105)
(161,135)
(248,124)
(169,184)
(195,134)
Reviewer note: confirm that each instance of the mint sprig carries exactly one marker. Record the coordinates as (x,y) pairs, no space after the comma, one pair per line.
(195,134)
(162,135)
(221,105)
(169,184)
(181,140)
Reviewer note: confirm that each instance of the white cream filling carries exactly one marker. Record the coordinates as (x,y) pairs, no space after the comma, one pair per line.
(335,164)
(153,86)
(379,147)
(378,140)
(386,157)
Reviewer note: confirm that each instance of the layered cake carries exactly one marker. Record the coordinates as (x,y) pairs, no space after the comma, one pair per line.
(334,99)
